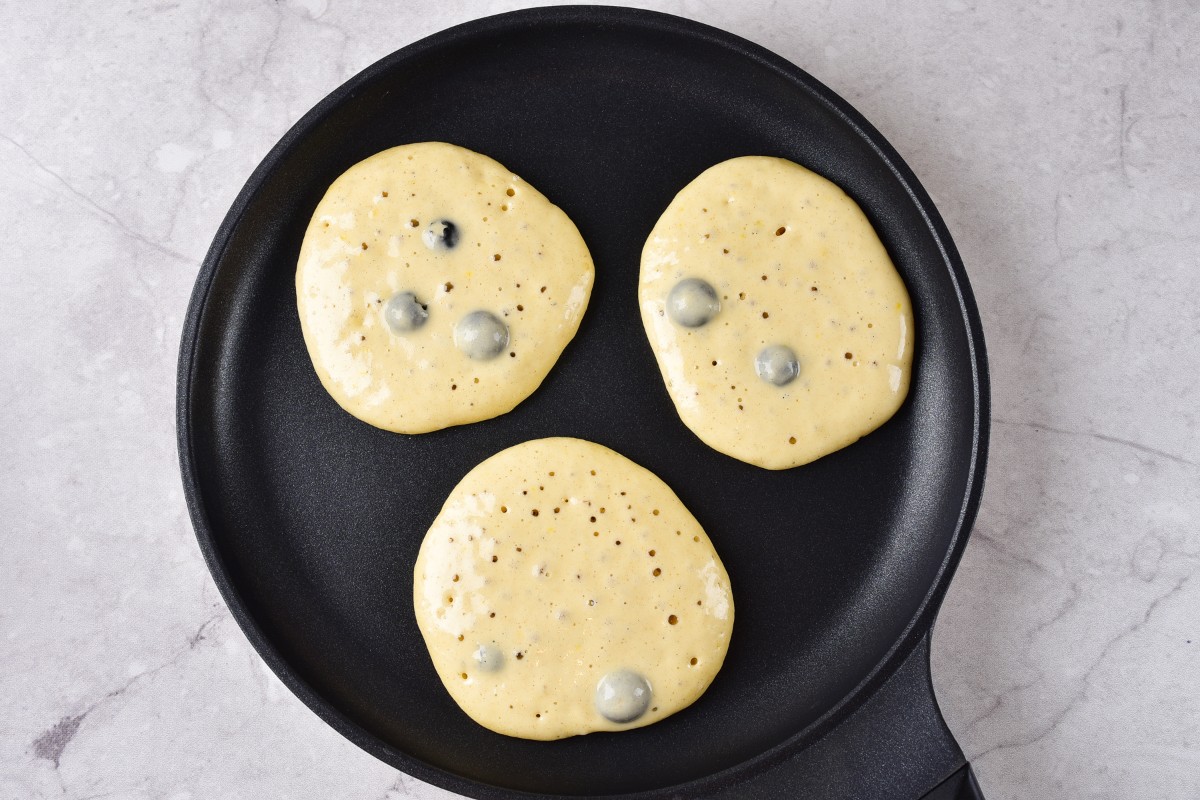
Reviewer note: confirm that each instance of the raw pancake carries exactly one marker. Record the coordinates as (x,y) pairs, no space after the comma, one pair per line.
(807,296)
(514,255)
(558,562)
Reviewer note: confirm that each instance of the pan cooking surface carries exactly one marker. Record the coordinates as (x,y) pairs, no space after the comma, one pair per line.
(311,520)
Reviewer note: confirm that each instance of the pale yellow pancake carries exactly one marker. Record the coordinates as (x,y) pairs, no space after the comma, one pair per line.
(563,589)
(437,288)
(779,323)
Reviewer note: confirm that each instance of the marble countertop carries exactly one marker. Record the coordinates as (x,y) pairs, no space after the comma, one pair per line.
(1059,140)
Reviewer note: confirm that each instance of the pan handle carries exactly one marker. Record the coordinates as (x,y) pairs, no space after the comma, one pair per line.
(895,745)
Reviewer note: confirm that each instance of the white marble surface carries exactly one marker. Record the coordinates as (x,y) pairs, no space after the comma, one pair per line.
(1062,144)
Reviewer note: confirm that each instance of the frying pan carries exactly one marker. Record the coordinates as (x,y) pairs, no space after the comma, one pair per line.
(310,520)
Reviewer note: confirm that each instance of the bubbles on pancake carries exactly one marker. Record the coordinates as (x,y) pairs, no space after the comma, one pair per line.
(777,365)
(441,234)
(404,313)
(481,335)
(692,303)
(622,696)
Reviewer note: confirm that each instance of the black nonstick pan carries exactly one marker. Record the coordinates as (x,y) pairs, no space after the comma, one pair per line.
(310,520)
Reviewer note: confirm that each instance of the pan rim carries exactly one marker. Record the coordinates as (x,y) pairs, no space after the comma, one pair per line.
(616,17)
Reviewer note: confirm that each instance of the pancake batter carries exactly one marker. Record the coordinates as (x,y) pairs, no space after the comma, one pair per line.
(436,288)
(564,589)
(779,323)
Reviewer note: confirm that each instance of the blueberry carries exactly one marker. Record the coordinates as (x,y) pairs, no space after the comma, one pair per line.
(622,696)
(441,234)
(488,658)
(692,303)
(405,313)
(481,335)
(777,365)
